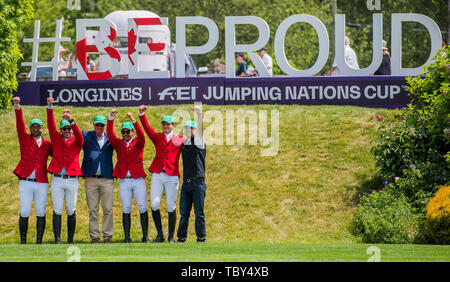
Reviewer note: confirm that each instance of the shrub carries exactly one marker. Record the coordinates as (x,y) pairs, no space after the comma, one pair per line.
(421,132)
(420,182)
(437,222)
(385,217)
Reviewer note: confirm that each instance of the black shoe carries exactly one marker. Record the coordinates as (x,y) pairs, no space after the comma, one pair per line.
(23,229)
(157,220)
(40,227)
(181,241)
(126,222)
(71,223)
(57,227)
(144,225)
(172,222)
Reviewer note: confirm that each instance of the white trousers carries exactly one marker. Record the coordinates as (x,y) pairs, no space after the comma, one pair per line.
(169,183)
(129,187)
(64,189)
(29,191)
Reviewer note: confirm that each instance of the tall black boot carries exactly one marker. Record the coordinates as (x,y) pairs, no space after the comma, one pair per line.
(126,221)
(172,222)
(71,224)
(40,227)
(57,227)
(144,225)
(23,229)
(157,219)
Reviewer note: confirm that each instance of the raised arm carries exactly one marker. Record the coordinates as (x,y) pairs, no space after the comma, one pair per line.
(147,128)
(110,129)
(51,124)
(79,139)
(139,132)
(20,123)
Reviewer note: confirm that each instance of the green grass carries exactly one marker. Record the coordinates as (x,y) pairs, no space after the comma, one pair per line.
(307,193)
(223,252)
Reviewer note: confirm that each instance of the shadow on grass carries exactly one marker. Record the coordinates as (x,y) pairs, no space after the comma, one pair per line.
(366,185)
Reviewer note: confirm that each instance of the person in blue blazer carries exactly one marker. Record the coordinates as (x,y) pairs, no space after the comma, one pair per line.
(97,170)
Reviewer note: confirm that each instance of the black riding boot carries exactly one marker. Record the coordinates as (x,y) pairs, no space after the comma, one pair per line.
(71,223)
(57,227)
(157,219)
(126,221)
(40,227)
(144,225)
(23,229)
(172,222)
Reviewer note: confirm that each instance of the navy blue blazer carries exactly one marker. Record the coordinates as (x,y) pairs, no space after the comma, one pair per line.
(93,155)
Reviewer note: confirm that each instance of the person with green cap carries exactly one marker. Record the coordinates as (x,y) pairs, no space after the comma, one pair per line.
(65,167)
(32,172)
(130,170)
(165,171)
(97,168)
(193,189)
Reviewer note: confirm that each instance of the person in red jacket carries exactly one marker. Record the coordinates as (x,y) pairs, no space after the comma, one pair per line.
(32,172)
(165,171)
(65,167)
(130,169)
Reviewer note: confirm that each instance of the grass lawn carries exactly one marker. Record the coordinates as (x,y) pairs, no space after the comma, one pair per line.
(224,252)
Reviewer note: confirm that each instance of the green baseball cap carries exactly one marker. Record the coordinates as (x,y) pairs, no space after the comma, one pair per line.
(127,125)
(168,119)
(37,121)
(100,119)
(190,123)
(63,123)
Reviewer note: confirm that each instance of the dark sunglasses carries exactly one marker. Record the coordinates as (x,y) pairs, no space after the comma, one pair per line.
(66,128)
(35,127)
(125,131)
(99,125)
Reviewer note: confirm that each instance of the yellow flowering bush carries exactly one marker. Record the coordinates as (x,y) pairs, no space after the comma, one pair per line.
(437,222)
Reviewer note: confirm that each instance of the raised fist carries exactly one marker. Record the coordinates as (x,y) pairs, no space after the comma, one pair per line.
(130,116)
(114,112)
(16,100)
(142,109)
(67,114)
(50,101)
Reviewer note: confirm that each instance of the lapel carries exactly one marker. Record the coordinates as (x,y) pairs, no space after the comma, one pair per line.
(163,139)
(94,139)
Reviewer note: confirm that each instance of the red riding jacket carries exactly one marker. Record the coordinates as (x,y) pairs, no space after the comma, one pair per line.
(32,157)
(129,158)
(167,153)
(66,152)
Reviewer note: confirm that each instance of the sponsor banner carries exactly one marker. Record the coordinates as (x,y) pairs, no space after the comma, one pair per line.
(372,91)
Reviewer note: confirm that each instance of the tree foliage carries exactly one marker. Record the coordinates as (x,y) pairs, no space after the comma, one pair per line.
(14,14)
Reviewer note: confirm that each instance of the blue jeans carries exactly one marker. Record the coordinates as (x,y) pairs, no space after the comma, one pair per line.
(193,192)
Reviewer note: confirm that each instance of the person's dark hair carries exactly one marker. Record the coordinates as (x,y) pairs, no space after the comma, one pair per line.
(240,54)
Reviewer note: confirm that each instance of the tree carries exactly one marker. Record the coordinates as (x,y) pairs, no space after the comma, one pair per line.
(14,14)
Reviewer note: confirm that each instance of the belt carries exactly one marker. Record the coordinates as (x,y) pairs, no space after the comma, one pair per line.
(128,177)
(189,180)
(65,176)
(28,179)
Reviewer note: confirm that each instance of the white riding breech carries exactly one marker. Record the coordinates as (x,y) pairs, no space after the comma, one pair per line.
(129,187)
(169,183)
(29,191)
(64,189)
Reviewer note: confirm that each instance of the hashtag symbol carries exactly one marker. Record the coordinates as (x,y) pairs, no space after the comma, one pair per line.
(54,63)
